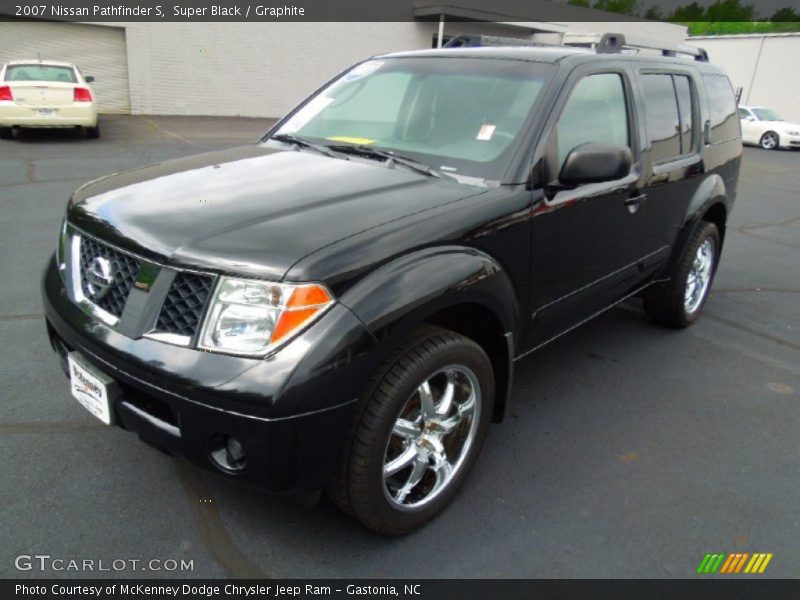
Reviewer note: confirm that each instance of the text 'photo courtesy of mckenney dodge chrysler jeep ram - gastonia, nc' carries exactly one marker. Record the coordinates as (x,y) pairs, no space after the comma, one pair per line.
(341,306)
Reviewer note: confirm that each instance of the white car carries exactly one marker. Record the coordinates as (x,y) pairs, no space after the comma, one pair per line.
(35,93)
(766,128)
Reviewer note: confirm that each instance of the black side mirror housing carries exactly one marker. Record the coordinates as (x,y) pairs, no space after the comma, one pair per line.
(594,163)
(89,78)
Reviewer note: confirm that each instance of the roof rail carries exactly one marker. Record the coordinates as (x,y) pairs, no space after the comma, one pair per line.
(615,43)
(605,43)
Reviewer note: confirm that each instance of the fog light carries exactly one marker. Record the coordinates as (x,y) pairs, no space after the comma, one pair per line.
(227,453)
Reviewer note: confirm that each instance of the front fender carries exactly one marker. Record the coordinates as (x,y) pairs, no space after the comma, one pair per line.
(404,292)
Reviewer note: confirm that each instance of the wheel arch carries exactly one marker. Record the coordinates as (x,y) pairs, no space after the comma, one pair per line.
(462,289)
(712,203)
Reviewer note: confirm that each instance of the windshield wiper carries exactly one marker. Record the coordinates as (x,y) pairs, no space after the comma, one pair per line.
(406,161)
(303,143)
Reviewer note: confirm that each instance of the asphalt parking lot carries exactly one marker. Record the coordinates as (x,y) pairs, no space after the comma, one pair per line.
(629,450)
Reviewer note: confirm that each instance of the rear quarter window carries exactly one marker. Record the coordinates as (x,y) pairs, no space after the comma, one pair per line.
(40,73)
(722,109)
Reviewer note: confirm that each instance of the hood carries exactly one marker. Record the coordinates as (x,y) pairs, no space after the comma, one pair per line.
(252,210)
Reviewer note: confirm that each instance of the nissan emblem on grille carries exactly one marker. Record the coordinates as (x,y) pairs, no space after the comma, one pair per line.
(99,277)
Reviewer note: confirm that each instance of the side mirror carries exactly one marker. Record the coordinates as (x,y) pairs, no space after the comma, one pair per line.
(89,78)
(594,163)
(749,118)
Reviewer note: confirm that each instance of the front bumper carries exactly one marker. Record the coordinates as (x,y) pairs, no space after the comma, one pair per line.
(76,115)
(289,411)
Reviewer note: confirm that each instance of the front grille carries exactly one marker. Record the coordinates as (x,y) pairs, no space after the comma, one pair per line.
(183,307)
(124,269)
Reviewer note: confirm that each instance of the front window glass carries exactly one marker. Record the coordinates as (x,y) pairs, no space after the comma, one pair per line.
(595,112)
(40,73)
(767,114)
(459,115)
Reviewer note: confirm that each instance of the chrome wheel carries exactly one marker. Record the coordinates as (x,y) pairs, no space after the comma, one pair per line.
(699,276)
(769,141)
(431,437)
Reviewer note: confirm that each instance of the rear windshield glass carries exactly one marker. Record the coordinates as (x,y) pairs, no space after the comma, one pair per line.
(767,114)
(40,73)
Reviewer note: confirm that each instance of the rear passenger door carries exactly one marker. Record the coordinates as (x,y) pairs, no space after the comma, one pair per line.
(672,158)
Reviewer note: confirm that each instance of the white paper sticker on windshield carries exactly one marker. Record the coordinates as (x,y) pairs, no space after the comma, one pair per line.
(486,132)
(363,69)
(305,114)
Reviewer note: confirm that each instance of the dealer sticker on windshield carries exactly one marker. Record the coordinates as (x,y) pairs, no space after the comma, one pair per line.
(485,132)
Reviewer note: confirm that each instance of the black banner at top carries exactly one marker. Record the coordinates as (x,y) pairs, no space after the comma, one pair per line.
(400,10)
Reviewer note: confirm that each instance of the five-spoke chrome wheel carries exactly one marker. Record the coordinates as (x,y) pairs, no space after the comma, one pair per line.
(769,141)
(431,437)
(699,276)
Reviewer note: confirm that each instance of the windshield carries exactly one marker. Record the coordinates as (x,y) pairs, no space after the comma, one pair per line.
(766,114)
(40,73)
(460,116)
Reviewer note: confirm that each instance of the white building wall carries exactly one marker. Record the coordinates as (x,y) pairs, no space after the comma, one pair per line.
(265,69)
(257,69)
(763,65)
(666,32)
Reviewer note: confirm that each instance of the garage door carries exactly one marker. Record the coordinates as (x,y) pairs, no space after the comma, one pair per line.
(97,50)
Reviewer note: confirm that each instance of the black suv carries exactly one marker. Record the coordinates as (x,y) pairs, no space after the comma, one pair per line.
(341,305)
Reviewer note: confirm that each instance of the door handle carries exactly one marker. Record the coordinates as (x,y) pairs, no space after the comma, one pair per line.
(635,200)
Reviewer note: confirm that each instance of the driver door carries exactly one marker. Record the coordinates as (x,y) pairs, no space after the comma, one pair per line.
(586,240)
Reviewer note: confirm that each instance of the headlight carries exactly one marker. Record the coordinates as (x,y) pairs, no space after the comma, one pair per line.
(793,132)
(249,317)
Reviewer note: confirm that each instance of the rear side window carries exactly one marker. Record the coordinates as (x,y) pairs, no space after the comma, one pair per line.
(722,109)
(595,112)
(40,73)
(683,91)
(662,116)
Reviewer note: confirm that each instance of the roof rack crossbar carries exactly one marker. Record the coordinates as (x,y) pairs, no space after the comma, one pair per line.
(605,43)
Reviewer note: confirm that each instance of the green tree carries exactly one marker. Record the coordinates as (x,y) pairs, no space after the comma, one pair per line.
(786,15)
(730,10)
(688,13)
(654,13)
(622,7)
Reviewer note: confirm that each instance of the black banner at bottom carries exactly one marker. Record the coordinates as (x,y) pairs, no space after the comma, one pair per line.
(427,589)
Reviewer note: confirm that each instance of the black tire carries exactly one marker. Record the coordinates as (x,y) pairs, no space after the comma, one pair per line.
(358,486)
(666,303)
(770,141)
(92,132)
(6,133)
